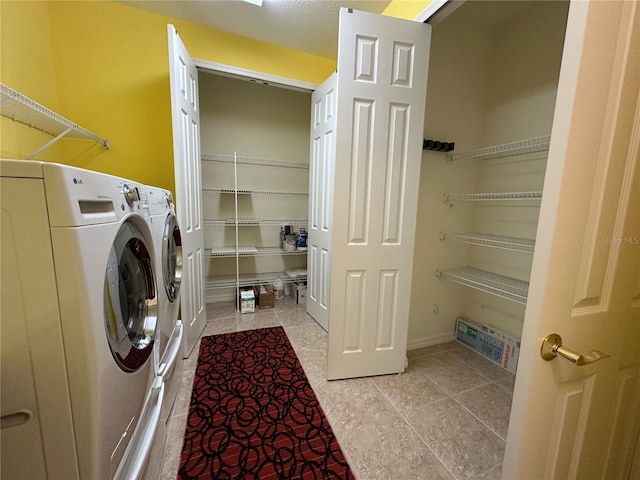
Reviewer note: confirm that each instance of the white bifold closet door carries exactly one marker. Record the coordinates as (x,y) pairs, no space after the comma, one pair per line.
(371,193)
(186,157)
(321,166)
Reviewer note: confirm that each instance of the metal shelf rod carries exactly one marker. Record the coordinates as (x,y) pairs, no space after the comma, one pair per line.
(264,162)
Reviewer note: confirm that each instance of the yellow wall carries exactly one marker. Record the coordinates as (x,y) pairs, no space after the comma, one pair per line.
(104,66)
(26,60)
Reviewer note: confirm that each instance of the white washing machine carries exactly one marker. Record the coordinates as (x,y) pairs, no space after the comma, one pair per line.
(78,320)
(168,362)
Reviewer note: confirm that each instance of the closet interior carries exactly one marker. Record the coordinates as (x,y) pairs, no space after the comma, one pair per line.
(492,85)
(255,171)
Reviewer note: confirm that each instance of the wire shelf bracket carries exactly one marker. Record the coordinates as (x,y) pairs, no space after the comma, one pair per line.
(22,109)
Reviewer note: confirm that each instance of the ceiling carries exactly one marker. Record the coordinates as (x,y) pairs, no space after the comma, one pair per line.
(307,25)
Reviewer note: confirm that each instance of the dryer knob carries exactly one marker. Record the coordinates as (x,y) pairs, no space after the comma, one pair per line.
(130,194)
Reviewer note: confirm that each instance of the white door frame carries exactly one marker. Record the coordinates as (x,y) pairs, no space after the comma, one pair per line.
(253,76)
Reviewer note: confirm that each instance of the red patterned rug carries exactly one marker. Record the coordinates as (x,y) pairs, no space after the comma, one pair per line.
(253,414)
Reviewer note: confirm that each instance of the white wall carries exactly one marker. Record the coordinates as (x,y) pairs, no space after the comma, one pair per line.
(259,121)
(492,80)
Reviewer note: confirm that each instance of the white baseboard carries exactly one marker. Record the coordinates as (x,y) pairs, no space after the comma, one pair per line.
(416,343)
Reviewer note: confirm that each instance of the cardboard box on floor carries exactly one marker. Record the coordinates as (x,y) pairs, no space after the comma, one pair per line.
(264,296)
(489,342)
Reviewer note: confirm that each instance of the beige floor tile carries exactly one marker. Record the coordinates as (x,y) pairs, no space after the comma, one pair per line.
(220,325)
(288,303)
(491,404)
(476,361)
(309,336)
(221,310)
(508,383)
(389,449)
(493,474)
(462,443)
(173,447)
(393,427)
(409,390)
(295,318)
(450,373)
(424,351)
(376,439)
(252,321)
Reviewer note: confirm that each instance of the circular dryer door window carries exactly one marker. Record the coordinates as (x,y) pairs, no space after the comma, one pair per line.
(130,301)
(172,257)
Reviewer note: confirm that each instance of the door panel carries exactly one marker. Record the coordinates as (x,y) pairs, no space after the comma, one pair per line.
(381,86)
(323,128)
(571,421)
(186,152)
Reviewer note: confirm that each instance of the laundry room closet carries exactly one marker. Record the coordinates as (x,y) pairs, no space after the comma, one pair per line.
(255,159)
(493,76)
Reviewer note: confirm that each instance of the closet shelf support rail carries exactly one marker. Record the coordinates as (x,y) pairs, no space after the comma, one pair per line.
(22,109)
(231,191)
(522,147)
(488,282)
(496,241)
(488,197)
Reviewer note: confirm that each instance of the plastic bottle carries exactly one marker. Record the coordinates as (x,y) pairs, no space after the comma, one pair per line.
(278,289)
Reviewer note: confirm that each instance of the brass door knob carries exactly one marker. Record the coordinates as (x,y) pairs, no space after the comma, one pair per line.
(552,347)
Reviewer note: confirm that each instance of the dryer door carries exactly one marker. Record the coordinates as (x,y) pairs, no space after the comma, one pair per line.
(172,257)
(130,301)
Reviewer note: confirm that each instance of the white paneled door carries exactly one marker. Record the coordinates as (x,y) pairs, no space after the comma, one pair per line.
(186,157)
(570,421)
(381,90)
(321,167)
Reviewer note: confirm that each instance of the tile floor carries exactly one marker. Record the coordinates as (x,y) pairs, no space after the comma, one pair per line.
(446,417)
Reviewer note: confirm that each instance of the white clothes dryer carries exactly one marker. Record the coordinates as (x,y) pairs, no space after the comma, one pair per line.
(78,319)
(167,242)
(165,232)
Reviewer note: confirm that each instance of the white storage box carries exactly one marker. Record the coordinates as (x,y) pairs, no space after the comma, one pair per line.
(247,301)
(299,292)
(489,342)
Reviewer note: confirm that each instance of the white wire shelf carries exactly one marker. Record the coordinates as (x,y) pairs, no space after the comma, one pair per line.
(250,251)
(495,241)
(22,109)
(251,280)
(251,222)
(251,192)
(265,162)
(488,282)
(521,147)
(489,197)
